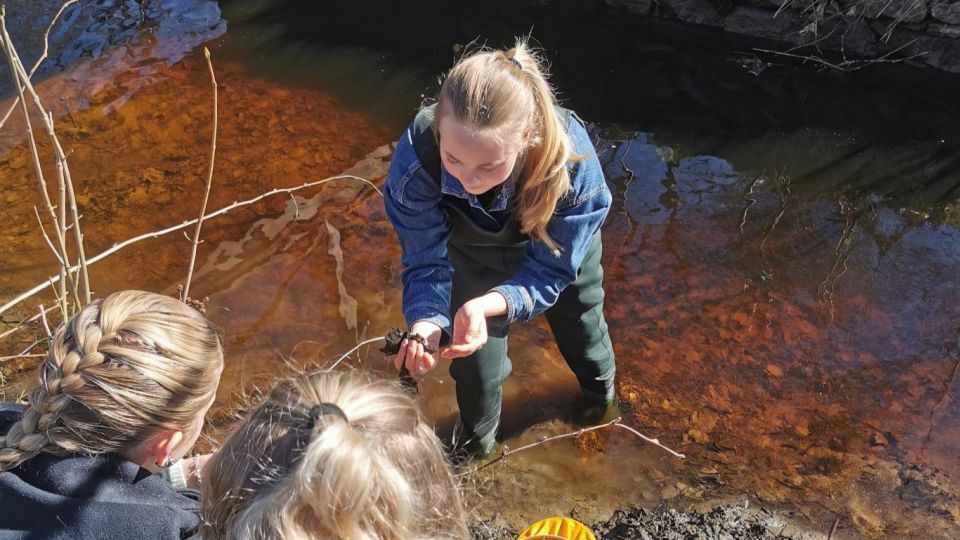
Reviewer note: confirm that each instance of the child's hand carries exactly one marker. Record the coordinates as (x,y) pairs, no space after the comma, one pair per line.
(469,330)
(413,354)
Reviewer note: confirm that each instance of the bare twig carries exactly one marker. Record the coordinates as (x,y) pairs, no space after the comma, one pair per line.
(74,212)
(23,324)
(206,193)
(850,65)
(348,353)
(46,325)
(46,237)
(67,194)
(655,442)
(46,50)
(833,529)
(26,350)
(16,356)
(616,422)
(14,63)
(117,247)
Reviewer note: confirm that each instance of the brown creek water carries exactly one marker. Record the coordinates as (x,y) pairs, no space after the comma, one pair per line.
(800,349)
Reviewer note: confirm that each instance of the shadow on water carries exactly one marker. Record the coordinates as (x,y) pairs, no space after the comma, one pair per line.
(782,310)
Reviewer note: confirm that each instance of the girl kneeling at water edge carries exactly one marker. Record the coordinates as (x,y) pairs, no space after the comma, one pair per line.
(331,456)
(497,198)
(121,393)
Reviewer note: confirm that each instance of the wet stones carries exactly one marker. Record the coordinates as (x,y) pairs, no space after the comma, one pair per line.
(773,370)
(948,12)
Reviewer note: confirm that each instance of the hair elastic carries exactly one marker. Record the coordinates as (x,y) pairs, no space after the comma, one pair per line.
(323,409)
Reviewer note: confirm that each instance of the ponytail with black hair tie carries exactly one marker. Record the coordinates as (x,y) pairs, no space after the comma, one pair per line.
(323,409)
(511,56)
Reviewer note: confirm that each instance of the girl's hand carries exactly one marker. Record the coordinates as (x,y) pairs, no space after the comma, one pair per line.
(413,355)
(469,329)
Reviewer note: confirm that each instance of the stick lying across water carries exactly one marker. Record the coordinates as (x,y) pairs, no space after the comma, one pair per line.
(616,423)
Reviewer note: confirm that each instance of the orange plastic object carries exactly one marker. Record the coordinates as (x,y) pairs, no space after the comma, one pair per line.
(557,528)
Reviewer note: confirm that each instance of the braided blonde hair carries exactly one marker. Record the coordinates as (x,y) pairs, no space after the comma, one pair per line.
(507,93)
(377,473)
(121,368)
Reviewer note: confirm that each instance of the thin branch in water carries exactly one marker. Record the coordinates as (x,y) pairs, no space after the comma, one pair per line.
(206,193)
(226,209)
(616,422)
(655,442)
(850,65)
(46,50)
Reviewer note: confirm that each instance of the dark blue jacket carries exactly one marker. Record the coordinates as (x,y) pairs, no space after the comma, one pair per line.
(79,497)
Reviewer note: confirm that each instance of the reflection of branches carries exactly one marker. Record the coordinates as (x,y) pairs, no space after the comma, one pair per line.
(751,200)
(783,192)
(841,253)
(936,408)
(184,225)
(847,64)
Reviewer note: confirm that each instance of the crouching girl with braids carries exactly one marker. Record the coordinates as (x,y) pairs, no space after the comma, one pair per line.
(497,198)
(332,456)
(121,393)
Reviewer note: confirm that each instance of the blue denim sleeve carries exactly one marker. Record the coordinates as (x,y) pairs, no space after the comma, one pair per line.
(579,216)
(412,200)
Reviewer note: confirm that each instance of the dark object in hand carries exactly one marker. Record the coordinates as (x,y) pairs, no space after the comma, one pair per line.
(395,336)
(392,346)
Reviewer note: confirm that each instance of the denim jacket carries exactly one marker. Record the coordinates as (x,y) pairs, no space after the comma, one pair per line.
(413,197)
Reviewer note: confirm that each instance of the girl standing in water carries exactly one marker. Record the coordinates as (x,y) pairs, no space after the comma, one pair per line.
(497,198)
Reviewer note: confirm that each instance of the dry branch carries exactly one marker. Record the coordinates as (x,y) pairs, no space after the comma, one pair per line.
(206,194)
(67,197)
(46,50)
(616,422)
(13,61)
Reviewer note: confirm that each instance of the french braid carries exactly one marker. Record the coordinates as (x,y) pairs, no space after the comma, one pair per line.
(124,365)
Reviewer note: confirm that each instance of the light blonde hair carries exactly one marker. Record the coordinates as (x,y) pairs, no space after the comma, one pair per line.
(507,92)
(379,473)
(121,368)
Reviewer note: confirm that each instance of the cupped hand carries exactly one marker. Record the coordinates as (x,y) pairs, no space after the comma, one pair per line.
(469,330)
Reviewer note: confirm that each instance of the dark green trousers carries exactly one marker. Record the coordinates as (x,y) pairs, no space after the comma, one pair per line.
(576,321)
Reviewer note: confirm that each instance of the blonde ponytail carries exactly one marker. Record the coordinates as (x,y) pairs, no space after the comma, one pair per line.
(376,472)
(507,92)
(127,364)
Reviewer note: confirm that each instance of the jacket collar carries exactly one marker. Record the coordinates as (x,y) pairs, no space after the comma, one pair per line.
(450,185)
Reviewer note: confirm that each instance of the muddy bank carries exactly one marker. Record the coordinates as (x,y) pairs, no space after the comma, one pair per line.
(730,522)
